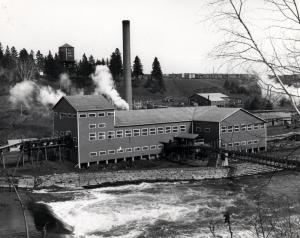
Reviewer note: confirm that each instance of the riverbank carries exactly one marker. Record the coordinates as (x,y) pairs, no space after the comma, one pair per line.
(107,178)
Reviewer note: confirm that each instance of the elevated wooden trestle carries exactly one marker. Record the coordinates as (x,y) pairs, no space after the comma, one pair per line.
(259,158)
(35,149)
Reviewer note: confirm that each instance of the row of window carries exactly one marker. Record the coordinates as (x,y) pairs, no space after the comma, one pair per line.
(238,128)
(83,115)
(242,143)
(99,114)
(94,126)
(126,150)
(136,132)
(199,129)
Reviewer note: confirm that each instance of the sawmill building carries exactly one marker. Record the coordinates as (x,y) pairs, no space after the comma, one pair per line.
(103,133)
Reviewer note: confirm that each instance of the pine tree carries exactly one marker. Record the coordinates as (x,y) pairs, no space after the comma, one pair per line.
(7,59)
(23,55)
(40,61)
(83,67)
(1,52)
(115,65)
(137,68)
(156,81)
(49,64)
(14,53)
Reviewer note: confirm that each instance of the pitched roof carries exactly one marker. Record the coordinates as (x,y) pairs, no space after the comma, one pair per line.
(273,115)
(88,102)
(173,114)
(213,96)
(66,45)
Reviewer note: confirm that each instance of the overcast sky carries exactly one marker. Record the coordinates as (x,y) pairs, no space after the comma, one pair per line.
(172,30)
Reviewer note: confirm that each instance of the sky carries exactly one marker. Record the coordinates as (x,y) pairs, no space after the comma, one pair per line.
(172,30)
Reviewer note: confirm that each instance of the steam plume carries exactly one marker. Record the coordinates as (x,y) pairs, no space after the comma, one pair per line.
(65,82)
(272,90)
(27,92)
(105,85)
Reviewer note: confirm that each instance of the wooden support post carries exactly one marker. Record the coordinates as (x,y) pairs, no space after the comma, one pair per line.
(46,157)
(2,159)
(37,156)
(22,154)
(132,159)
(116,161)
(59,151)
(106,161)
(124,159)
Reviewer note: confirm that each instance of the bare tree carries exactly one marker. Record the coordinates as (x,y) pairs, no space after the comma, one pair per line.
(278,53)
(25,68)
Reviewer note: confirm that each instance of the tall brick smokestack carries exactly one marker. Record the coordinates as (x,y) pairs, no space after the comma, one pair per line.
(127,62)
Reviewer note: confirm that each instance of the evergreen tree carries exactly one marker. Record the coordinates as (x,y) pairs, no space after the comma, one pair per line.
(103,61)
(49,64)
(156,82)
(14,53)
(7,59)
(23,55)
(1,52)
(84,67)
(115,65)
(137,68)
(92,64)
(40,61)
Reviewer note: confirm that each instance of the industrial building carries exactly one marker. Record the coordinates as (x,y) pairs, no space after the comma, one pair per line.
(66,55)
(105,134)
(209,99)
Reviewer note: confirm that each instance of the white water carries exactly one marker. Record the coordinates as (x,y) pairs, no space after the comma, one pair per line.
(145,210)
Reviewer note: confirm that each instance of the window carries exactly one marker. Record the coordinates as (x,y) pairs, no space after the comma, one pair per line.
(230,129)
(120,150)
(62,115)
(249,142)
(262,126)
(168,129)
(244,143)
(82,115)
(55,114)
(92,126)
(111,152)
(68,133)
(152,147)
(223,128)
(236,128)
(223,145)
(137,149)
(92,115)
(207,130)
(62,133)
(110,135)
(75,139)
(119,134)
(160,146)
(229,144)
(93,154)
(128,150)
(160,130)
(182,128)
(92,136)
(198,129)
(136,132)
(243,127)
(101,125)
(249,127)
(101,135)
(236,143)
(128,133)
(102,152)
(145,148)
(109,114)
(152,131)
(255,141)
(255,127)
(74,115)
(70,115)
(175,129)
(101,114)
(144,131)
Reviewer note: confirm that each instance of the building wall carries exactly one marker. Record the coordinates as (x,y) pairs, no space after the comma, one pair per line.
(93,150)
(66,54)
(242,131)
(209,131)
(200,101)
(65,123)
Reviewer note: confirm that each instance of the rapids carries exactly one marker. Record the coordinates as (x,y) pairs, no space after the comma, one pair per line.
(176,209)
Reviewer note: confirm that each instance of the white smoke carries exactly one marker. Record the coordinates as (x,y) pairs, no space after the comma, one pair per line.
(273,91)
(65,82)
(23,93)
(105,85)
(26,92)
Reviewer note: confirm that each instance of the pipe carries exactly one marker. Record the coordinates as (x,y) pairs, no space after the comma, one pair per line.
(127,62)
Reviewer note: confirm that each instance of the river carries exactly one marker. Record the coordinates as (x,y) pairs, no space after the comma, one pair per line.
(180,209)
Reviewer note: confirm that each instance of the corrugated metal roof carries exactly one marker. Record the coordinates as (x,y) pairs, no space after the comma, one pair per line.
(213,96)
(66,45)
(172,114)
(88,102)
(273,115)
